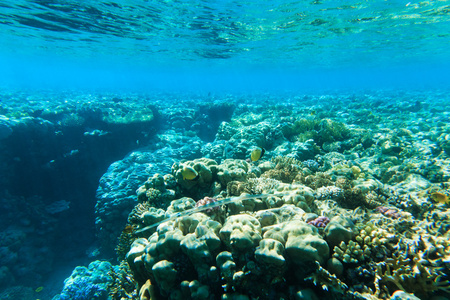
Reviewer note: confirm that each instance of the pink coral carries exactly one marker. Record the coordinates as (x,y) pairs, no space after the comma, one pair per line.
(389,212)
(209,202)
(320,222)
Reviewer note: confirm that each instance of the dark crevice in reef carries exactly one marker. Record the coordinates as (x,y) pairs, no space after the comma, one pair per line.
(53,162)
(52,159)
(209,117)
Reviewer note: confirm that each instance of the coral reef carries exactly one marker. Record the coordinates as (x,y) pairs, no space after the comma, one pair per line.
(340,206)
(88,283)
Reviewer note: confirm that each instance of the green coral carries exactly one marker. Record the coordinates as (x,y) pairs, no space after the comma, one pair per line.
(321,131)
(301,126)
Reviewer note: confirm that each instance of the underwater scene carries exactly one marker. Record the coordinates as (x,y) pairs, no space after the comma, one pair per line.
(224,150)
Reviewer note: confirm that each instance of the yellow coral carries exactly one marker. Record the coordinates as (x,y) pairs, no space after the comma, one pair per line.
(370,242)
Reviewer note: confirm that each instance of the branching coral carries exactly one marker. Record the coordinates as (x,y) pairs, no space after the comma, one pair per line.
(312,165)
(317,180)
(125,240)
(286,170)
(301,126)
(370,243)
(262,185)
(155,190)
(135,216)
(128,234)
(123,285)
(235,188)
(329,192)
(327,281)
(417,267)
(374,199)
(286,175)
(360,195)
(410,270)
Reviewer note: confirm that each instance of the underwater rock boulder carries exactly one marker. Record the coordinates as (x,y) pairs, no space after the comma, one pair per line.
(304,151)
(227,266)
(189,224)
(282,214)
(208,231)
(167,242)
(152,216)
(339,229)
(199,291)
(367,185)
(180,205)
(270,252)
(200,245)
(196,250)
(253,134)
(391,148)
(241,232)
(402,295)
(158,189)
(225,131)
(335,266)
(6,276)
(412,183)
(306,294)
(233,170)
(165,275)
(137,249)
(135,258)
(163,244)
(193,238)
(235,296)
(116,193)
(196,174)
(444,142)
(302,242)
(266,217)
(297,194)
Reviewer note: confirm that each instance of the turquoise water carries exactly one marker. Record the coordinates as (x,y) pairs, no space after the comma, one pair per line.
(224,44)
